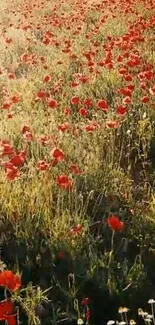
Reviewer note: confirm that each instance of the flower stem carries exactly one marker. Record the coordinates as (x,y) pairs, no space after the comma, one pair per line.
(110,260)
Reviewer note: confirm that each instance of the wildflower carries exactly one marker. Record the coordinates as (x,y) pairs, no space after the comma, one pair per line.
(151,301)
(7,105)
(57,154)
(112,124)
(140,311)
(47,78)
(123,71)
(149,320)
(115,224)
(85,301)
(6,310)
(121,110)
(64,182)
(83,79)
(52,103)
(61,255)
(11,75)
(128,77)
(6,149)
(83,111)
(18,160)
(125,91)
(76,230)
(75,170)
(12,173)
(67,111)
(125,310)
(127,100)
(87,102)
(42,165)
(145,99)
(26,129)
(10,280)
(63,127)
(103,105)
(28,136)
(41,95)
(10,115)
(132,322)
(15,99)
(92,127)
(74,84)
(80,321)
(75,100)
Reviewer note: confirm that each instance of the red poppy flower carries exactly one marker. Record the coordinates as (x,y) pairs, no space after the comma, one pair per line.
(76,230)
(83,79)
(9,40)
(52,103)
(74,169)
(125,91)
(63,127)
(149,75)
(91,127)
(42,165)
(11,75)
(103,105)
(61,255)
(6,309)
(47,78)
(11,319)
(112,124)
(128,77)
(75,100)
(83,111)
(87,102)
(57,154)
(64,182)
(6,149)
(17,160)
(67,111)
(10,115)
(15,99)
(74,84)
(7,105)
(126,100)
(26,129)
(115,224)
(10,280)
(28,136)
(41,95)
(85,301)
(145,99)
(123,71)
(121,110)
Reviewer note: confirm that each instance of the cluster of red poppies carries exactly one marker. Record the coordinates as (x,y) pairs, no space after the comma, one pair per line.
(119,54)
(11,282)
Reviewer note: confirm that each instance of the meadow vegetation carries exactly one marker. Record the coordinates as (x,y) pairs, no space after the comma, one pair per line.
(77,162)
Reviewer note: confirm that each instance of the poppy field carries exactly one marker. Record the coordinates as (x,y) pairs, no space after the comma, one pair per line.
(77,162)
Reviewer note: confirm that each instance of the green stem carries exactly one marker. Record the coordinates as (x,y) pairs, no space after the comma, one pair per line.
(110,260)
(152,310)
